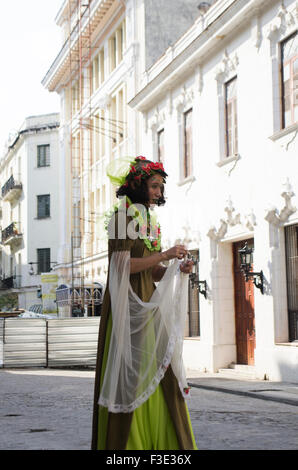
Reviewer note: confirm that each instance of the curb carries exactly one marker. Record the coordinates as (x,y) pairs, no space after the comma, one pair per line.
(286,401)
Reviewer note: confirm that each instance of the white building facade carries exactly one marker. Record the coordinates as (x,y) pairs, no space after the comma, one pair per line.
(106,47)
(220,109)
(29,175)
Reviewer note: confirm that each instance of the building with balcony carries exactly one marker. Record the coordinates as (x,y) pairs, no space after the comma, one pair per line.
(29,175)
(11,190)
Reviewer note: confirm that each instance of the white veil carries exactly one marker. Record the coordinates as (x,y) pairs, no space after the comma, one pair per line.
(146,336)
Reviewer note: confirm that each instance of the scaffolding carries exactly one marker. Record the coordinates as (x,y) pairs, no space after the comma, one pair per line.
(83,125)
(81,158)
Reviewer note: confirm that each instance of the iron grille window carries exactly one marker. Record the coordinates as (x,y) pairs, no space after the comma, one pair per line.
(231,117)
(187,157)
(43,206)
(291,240)
(43,260)
(43,155)
(193,327)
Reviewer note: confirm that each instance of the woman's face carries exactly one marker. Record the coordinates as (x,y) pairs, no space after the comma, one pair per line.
(155,187)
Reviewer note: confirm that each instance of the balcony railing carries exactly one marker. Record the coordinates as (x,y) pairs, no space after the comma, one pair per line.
(11,234)
(12,282)
(6,283)
(11,190)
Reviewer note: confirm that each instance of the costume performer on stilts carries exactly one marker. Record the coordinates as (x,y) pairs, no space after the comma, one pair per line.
(140,384)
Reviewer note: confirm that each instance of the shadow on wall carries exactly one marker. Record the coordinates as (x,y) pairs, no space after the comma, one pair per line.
(289,373)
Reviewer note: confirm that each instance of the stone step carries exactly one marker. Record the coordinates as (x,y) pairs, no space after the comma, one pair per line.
(242,367)
(240,371)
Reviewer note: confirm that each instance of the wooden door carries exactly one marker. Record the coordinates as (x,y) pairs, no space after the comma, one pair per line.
(244,310)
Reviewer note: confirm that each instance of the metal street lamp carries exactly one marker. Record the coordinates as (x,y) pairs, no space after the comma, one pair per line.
(246,254)
(31,269)
(194,278)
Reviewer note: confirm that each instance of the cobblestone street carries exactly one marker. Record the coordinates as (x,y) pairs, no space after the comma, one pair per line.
(46,409)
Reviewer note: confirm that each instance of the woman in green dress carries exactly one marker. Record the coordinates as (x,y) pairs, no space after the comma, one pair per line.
(140,389)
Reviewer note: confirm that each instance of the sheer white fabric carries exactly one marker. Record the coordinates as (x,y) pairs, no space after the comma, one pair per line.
(146,336)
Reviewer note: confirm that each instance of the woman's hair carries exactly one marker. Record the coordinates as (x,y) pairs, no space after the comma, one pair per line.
(135,186)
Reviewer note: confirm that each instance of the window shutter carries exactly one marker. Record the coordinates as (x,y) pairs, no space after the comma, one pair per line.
(44,260)
(43,155)
(43,206)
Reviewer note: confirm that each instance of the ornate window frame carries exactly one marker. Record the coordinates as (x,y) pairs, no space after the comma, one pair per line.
(277,220)
(184,103)
(226,71)
(156,124)
(282,26)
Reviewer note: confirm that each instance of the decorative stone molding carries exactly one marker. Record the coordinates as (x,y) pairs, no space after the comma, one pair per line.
(277,220)
(169,102)
(231,222)
(288,209)
(257,29)
(199,79)
(169,53)
(215,236)
(250,221)
(184,100)
(284,23)
(157,120)
(272,215)
(229,210)
(191,237)
(226,68)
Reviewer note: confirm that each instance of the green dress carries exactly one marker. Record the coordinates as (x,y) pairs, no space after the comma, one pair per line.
(162,422)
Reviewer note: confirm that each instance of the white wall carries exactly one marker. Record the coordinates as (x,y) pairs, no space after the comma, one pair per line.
(249,185)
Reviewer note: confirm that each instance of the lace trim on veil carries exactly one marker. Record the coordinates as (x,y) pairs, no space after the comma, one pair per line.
(146,337)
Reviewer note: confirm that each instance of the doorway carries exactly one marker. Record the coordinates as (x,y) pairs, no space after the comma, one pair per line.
(244,309)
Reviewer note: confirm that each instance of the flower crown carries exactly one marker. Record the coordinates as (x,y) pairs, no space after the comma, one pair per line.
(143,171)
(122,169)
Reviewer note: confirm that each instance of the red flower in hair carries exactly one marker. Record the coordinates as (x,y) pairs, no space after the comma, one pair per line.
(133,169)
(141,158)
(147,168)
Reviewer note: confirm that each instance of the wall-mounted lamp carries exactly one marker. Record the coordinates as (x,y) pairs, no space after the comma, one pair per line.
(194,278)
(31,269)
(245,266)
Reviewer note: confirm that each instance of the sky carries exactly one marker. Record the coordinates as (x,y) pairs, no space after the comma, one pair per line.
(29,42)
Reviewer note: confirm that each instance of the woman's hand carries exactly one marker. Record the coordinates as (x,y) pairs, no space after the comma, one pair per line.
(186,266)
(177,251)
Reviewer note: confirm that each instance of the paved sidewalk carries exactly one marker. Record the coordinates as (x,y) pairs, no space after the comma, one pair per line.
(51,409)
(281,392)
